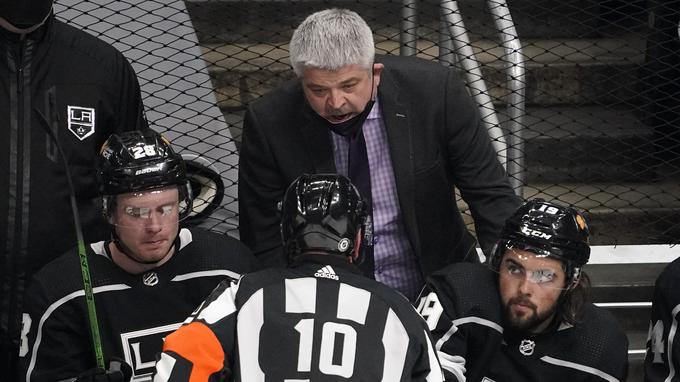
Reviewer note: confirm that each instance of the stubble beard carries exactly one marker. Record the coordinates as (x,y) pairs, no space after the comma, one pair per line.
(526,323)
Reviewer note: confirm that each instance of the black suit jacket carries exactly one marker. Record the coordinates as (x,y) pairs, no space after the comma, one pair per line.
(436,143)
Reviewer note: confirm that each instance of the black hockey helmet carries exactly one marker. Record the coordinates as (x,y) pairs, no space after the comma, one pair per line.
(25,13)
(546,229)
(137,161)
(321,212)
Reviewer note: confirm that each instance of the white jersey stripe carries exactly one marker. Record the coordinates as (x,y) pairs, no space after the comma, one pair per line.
(436,373)
(215,272)
(300,295)
(453,363)
(249,324)
(480,321)
(221,307)
(452,330)
(578,366)
(353,303)
(395,340)
(164,368)
(462,321)
(55,305)
(669,343)
(185,238)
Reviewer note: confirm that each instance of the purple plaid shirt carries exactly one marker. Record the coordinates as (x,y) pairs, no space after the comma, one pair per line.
(395,263)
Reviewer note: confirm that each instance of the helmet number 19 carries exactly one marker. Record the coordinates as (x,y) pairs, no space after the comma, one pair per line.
(548,209)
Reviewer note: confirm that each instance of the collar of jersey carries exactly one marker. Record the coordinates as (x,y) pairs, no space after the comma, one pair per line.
(335,261)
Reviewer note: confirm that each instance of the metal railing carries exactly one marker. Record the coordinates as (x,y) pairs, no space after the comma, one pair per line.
(456,49)
(516,76)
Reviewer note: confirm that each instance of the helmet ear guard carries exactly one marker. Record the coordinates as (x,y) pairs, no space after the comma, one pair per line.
(206,187)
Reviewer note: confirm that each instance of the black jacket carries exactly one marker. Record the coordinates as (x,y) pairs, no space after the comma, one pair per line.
(436,144)
(81,88)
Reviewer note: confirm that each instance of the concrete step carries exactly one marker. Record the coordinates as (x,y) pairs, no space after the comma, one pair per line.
(624,283)
(627,283)
(559,72)
(618,214)
(635,322)
(274,20)
(636,370)
(586,144)
(621,213)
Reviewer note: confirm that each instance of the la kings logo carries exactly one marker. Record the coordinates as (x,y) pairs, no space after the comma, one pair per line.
(140,348)
(80,121)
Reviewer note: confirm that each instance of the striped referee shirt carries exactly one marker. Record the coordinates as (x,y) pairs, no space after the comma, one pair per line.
(317,321)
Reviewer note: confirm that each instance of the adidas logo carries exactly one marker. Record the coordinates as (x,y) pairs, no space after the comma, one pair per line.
(327,272)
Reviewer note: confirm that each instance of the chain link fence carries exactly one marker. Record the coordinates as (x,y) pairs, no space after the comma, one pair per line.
(582,98)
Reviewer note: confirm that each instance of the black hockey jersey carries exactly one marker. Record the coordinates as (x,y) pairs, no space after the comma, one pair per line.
(317,321)
(135,312)
(462,307)
(662,362)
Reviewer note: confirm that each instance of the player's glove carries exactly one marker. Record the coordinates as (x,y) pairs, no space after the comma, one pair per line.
(118,371)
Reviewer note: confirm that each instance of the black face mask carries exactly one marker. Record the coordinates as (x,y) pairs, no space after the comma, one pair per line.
(25,13)
(350,127)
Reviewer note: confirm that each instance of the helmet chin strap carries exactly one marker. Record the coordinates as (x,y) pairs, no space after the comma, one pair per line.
(124,249)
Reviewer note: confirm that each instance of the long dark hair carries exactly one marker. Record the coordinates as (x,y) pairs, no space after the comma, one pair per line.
(573,300)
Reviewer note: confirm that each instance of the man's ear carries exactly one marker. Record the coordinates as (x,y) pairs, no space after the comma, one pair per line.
(377,71)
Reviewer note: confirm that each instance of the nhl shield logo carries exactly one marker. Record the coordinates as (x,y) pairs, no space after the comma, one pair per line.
(150,279)
(526,347)
(80,121)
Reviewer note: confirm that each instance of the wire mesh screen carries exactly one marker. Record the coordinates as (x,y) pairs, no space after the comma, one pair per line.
(594,122)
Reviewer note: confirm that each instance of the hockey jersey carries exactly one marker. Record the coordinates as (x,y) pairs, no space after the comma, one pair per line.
(316,321)
(135,312)
(462,307)
(662,361)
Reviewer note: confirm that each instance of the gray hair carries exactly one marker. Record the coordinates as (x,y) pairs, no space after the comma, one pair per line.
(331,39)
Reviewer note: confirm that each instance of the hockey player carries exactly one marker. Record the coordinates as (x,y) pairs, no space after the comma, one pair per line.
(662,362)
(147,278)
(317,320)
(526,318)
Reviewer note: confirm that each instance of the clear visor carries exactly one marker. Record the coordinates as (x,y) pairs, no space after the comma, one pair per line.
(533,265)
(150,208)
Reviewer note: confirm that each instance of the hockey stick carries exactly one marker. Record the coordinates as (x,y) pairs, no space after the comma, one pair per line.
(82,255)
